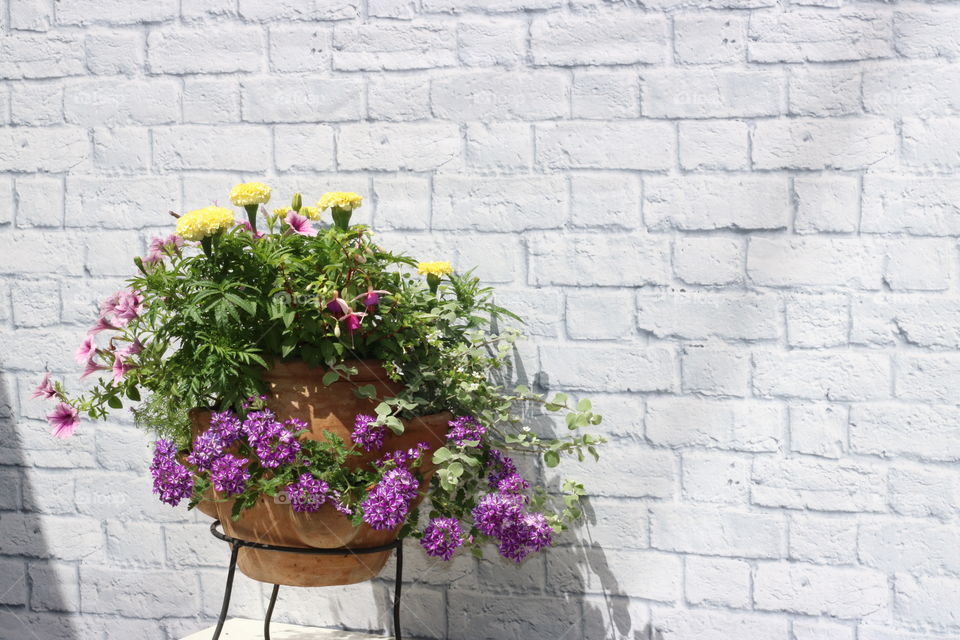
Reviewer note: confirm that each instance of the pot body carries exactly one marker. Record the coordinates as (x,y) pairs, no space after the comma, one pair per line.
(297,391)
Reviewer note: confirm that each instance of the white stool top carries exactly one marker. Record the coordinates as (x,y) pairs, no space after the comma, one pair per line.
(241,629)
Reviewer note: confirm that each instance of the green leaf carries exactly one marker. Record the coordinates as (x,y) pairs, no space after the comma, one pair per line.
(366,391)
(330,377)
(552,458)
(441,455)
(393,423)
(114,402)
(383,410)
(455,469)
(133,393)
(584,405)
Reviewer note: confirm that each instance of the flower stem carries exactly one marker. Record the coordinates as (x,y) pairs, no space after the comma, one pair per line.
(252,215)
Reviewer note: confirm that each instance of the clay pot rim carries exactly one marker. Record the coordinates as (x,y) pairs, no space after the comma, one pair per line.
(368,370)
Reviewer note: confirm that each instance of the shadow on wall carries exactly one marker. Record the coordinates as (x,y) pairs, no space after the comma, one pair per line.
(39,594)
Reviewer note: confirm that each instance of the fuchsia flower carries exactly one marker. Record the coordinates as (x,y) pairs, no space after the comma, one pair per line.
(338,306)
(44,390)
(300,224)
(352,320)
(86,350)
(63,420)
(372,297)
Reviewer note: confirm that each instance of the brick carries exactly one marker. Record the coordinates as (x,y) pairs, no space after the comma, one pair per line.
(655,474)
(394,147)
(35,303)
(815,321)
(709,530)
(713,371)
(13,581)
(816,36)
(822,539)
(599,368)
(710,624)
(829,203)
(813,590)
(111,102)
(927,599)
(41,252)
(911,89)
(300,10)
(398,98)
(888,633)
(155,592)
(54,587)
(491,42)
(211,101)
(178,50)
(914,546)
(927,143)
(709,260)
(483,616)
(111,253)
(698,315)
(300,47)
(924,491)
(402,202)
(734,425)
(715,477)
(541,309)
(39,201)
(693,202)
(789,262)
(22,535)
(919,265)
(485,95)
(930,378)
(915,205)
(54,149)
(643,145)
(596,260)
(842,376)
(83,12)
(807,143)
(237,148)
(619,523)
(397,9)
(499,204)
(122,148)
(300,100)
(651,575)
(499,145)
(714,145)
(717,582)
(818,430)
(706,38)
(392,46)
(200,10)
(492,6)
(915,430)
(589,315)
(610,38)
(825,92)
(28,55)
(711,93)
(36,104)
(30,15)
(602,95)
(119,203)
(927,32)
(113,53)
(304,147)
(801,483)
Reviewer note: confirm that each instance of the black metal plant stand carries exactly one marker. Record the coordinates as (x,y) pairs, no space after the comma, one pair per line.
(236,543)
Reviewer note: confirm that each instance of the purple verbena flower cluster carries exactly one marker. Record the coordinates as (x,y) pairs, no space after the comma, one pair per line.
(366,434)
(501,516)
(273,441)
(171,480)
(211,444)
(501,467)
(229,474)
(402,457)
(388,503)
(308,494)
(465,429)
(442,537)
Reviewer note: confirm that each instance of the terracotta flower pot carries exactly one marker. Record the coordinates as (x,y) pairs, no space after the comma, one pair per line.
(298,392)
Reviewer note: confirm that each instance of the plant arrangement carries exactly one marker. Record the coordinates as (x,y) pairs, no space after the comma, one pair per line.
(217,304)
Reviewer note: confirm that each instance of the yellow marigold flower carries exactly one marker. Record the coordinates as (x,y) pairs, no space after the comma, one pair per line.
(248,193)
(311,212)
(340,199)
(434,268)
(202,223)
(281,212)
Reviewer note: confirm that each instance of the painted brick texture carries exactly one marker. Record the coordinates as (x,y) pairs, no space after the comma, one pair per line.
(733,223)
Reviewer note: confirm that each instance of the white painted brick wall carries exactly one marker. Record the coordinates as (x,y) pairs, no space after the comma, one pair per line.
(732,222)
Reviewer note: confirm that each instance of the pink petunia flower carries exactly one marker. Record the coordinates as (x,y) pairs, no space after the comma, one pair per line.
(92,367)
(120,369)
(300,224)
(162,246)
(131,349)
(102,325)
(88,348)
(63,420)
(249,227)
(44,390)
(129,306)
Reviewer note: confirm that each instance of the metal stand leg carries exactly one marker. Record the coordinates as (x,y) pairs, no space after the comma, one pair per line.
(398,585)
(235,549)
(273,601)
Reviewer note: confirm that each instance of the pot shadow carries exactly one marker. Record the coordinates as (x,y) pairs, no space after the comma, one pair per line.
(39,590)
